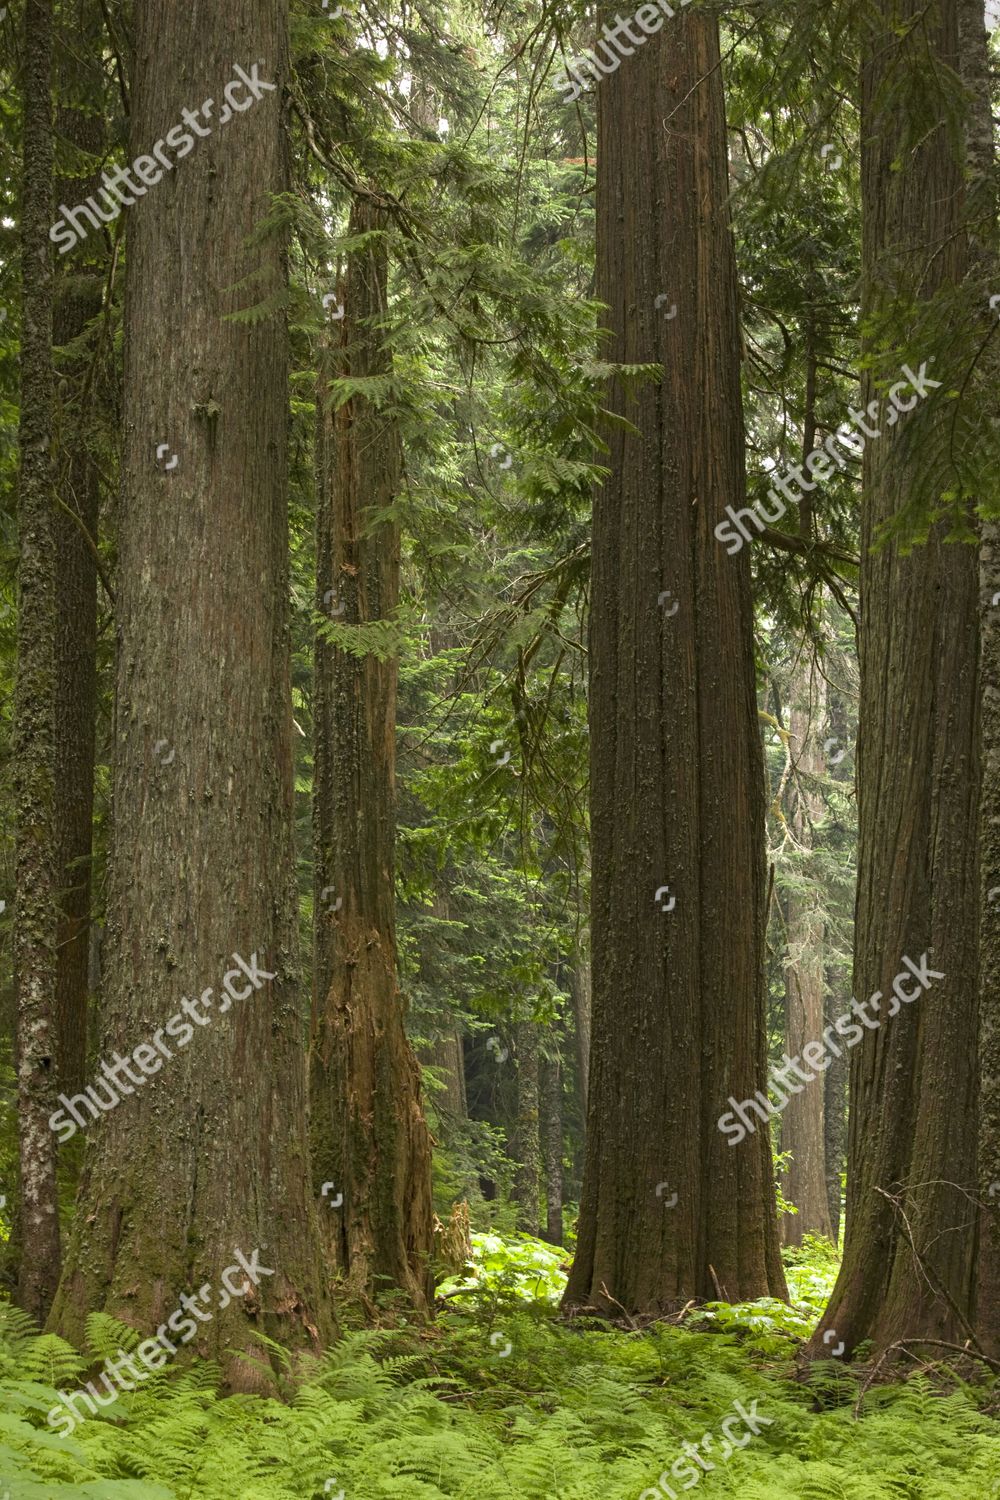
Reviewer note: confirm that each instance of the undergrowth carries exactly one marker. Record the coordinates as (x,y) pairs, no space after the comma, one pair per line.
(499,1399)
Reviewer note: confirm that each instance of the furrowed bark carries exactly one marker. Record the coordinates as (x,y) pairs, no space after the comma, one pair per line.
(677,780)
(370,1140)
(210,1155)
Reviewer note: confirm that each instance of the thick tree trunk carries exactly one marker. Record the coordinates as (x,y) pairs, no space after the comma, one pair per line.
(370,1139)
(77,302)
(803,1121)
(907,1270)
(34,721)
(677,781)
(211,1155)
(526,1144)
(550,1088)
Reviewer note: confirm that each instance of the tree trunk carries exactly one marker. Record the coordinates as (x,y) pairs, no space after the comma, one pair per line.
(212,1156)
(550,1085)
(34,721)
(834,1113)
(677,780)
(803,1121)
(78,301)
(526,1145)
(579,988)
(369,1136)
(448,1057)
(984,256)
(907,1270)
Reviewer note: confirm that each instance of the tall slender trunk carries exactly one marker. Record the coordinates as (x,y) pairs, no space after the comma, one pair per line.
(579,988)
(526,1144)
(834,1112)
(803,1121)
(34,718)
(369,1135)
(209,1156)
(677,781)
(550,1103)
(907,1270)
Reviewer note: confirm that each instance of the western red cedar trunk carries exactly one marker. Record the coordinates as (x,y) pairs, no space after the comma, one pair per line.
(803,1119)
(78,302)
(550,1104)
(984,255)
(34,720)
(907,1270)
(526,1138)
(370,1139)
(677,781)
(210,1155)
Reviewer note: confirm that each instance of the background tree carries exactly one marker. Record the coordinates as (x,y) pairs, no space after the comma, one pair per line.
(370,1136)
(908,1251)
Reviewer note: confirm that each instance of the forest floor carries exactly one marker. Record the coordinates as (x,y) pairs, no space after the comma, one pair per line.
(503,1399)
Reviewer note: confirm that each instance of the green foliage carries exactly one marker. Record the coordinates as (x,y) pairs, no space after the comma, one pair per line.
(517,1269)
(510,1405)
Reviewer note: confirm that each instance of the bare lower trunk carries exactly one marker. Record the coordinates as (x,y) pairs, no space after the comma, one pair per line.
(835,1115)
(371,1146)
(579,987)
(552,1146)
(677,780)
(803,1120)
(526,1146)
